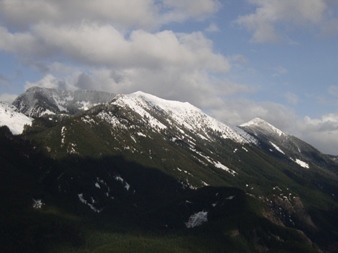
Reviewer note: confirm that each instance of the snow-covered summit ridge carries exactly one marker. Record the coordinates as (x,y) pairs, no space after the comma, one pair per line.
(262,124)
(175,113)
(13,119)
(172,106)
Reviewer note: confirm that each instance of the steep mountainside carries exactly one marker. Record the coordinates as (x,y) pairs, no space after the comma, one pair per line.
(37,101)
(10,117)
(185,181)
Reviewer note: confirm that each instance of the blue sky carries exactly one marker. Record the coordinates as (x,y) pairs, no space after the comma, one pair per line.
(235,59)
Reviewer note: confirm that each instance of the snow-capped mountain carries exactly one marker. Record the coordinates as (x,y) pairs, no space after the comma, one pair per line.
(274,140)
(165,115)
(258,126)
(13,119)
(142,124)
(166,166)
(37,101)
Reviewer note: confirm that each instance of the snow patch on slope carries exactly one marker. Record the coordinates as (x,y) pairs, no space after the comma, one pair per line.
(197,219)
(301,163)
(223,167)
(89,203)
(277,148)
(125,184)
(14,120)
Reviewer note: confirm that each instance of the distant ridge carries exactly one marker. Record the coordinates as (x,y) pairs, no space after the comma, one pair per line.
(263,125)
(36,101)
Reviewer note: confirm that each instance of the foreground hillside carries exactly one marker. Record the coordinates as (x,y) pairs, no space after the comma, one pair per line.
(143,174)
(155,214)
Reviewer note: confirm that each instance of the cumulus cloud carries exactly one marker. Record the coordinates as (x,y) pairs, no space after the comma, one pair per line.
(117,51)
(270,15)
(106,46)
(21,14)
(134,14)
(240,110)
(48,81)
(163,62)
(160,63)
(116,46)
(320,132)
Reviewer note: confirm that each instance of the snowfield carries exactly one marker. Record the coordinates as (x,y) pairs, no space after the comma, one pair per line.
(277,148)
(197,219)
(301,163)
(14,120)
(181,114)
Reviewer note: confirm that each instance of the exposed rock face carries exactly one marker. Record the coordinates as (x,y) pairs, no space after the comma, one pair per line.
(37,101)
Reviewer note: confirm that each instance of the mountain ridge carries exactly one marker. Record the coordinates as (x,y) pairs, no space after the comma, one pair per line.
(262,124)
(36,101)
(159,164)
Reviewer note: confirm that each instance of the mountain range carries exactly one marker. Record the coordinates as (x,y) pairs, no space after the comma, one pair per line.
(89,171)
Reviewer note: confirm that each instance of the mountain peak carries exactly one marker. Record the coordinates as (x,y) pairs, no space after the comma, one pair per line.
(164,114)
(38,101)
(164,103)
(264,125)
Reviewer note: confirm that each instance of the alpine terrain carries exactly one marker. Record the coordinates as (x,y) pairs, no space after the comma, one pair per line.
(88,171)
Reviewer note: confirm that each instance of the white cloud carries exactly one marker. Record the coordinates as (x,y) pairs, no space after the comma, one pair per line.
(48,81)
(321,133)
(132,13)
(105,46)
(161,63)
(112,46)
(238,111)
(269,15)
(17,42)
(124,14)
